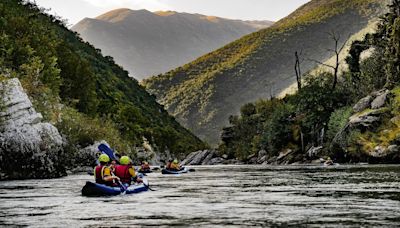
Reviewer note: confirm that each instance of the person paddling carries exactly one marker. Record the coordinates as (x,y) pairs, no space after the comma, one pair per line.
(102,172)
(175,165)
(168,165)
(145,167)
(126,172)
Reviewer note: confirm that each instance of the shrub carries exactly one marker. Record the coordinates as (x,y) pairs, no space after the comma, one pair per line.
(338,121)
(83,131)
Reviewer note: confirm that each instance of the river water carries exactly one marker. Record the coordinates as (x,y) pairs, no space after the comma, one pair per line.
(312,196)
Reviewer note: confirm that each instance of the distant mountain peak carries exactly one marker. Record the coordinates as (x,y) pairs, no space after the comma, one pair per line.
(211,18)
(121,14)
(165,13)
(149,43)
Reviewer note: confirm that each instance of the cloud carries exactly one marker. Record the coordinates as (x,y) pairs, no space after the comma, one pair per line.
(134,4)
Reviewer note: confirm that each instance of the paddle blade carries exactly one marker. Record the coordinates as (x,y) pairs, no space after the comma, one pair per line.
(107,150)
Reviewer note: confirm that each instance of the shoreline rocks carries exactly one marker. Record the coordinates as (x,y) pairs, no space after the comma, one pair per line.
(29,148)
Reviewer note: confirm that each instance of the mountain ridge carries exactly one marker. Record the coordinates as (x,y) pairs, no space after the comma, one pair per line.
(147,43)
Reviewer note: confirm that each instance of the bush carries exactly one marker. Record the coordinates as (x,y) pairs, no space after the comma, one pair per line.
(278,129)
(83,131)
(338,121)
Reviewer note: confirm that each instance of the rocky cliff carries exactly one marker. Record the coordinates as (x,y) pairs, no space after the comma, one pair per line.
(29,148)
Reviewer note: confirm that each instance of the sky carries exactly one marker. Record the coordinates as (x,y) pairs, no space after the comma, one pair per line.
(76,10)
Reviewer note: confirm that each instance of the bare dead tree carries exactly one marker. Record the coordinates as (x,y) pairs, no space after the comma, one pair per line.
(297,69)
(336,51)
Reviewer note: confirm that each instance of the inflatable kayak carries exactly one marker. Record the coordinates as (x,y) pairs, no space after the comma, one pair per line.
(167,171)
(144,171)
(93,189)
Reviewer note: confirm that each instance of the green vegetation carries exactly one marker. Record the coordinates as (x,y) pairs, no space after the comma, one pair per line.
(86,95)
(316,114)
(203,93)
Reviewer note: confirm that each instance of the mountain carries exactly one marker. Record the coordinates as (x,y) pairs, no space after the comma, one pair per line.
(203,94)
(147,43)
(85,94)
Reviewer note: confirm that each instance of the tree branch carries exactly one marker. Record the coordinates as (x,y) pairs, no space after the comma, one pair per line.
(321,63)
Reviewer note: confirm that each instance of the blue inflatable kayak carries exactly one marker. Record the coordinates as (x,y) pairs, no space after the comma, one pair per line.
(167,171)
(93,189)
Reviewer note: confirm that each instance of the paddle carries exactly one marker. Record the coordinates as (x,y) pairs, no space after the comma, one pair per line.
(107,150)
(148,187)
(122,186)
(189,170)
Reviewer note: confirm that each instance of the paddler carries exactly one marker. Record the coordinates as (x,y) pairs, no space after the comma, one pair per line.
(175,165)
(126,172)
(145,167)
(102,172)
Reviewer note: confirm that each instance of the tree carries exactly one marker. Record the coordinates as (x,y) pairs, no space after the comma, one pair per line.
(336,50)
(297,69)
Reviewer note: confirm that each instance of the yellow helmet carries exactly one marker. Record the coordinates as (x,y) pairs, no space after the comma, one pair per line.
(175,161)
(104,158)
(124,160)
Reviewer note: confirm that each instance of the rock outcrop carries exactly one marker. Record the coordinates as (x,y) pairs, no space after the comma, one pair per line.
(363,104)
(200,158)
(29,148)
(369,113)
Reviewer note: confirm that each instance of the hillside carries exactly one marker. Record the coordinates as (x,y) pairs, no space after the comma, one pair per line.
(350,120)
(83,93)
(147,43)
(204,93)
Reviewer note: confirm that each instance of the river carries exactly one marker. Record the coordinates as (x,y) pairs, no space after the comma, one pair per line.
(312,196)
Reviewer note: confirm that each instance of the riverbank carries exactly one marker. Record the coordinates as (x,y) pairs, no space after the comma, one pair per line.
(287,157)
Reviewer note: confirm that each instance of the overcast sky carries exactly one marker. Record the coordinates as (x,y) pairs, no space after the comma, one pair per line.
(76,10)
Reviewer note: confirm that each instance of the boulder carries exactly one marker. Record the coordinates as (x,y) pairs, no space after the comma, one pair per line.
(380,100)
(88,155)
(393,149)
(198,159)
(284,154)
(202,157)
(208,158)
(363,104)
(262,160)
(189,158)
(367,118)
(29,148)
(216,161)
(314,151)
(379,152)
(262,156)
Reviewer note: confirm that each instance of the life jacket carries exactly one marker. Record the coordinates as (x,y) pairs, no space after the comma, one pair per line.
(99,175)
(174,166)
(122,171)
(168,166)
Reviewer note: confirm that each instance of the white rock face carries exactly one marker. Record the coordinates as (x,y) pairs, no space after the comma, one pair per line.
(28,147)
